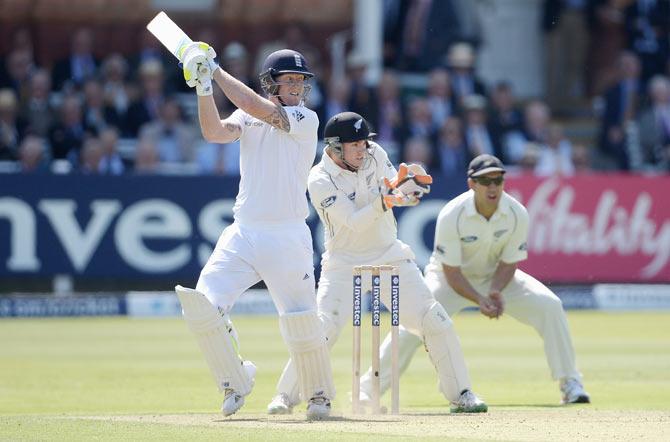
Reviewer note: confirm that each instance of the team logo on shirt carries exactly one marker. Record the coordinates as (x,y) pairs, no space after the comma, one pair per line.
(328,201)
(352,196)
(298,116)
(523,246)
(499,233)
(440,250)
(470,238)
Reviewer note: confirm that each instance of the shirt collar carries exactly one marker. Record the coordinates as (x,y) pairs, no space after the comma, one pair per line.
(503,206)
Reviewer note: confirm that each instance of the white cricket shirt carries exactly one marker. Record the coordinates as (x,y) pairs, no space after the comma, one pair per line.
(274,166)
(466,239)
(357,230)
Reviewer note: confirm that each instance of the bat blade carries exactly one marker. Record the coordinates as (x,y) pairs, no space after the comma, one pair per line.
(168,33)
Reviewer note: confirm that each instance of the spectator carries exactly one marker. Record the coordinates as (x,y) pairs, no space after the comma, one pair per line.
(337,98)
(418,150)
(461,63)
(174,139)
(440,97)
(362,97)
(79,65)
(606,27)
(556,155)
(478,137)
(37,111)
(19,67)
(146,156)
(97,112)
(235,60)
(146,107)
(529,158)
(91,155)
(387,116)
(294,37)
(11,128)
(111,162)
(219,159)
(67,135)
(419,119)
(581,159)
(20,41)
(33,155)
(654,121)
(535,129)
(504,117)
(648,28)
(114,77)
(452,155)
(621,102)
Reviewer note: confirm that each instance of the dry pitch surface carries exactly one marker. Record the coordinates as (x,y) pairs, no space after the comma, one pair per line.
(520,425)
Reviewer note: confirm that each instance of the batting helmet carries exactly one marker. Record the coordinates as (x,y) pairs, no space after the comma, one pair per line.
(284,61)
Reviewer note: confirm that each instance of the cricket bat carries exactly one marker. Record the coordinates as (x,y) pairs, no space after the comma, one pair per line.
(168,33)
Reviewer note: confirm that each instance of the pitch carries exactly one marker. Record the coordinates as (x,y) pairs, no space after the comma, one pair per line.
(144,379)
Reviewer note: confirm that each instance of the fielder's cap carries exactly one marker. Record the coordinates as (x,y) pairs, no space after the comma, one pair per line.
(484,164)
(347,127)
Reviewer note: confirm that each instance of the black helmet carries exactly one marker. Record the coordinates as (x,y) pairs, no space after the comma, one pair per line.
(347,127)
(283,61)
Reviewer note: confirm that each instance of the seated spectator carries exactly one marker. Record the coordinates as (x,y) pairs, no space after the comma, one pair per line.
(362,96)
(452,155)
(654,121)
(535,129)
(419,119)
(174,139)
(67,135)
(146,107)
(219,159)
(111,162)
(529,158)
(461,64)
(621,103)
(11,128)
(234,60)
(21,40)
(97,112)
(37,111)
(33,155)
(337,97)
(440,97)
(556,154)
(581,159)
(419,150)
(79,65)
(114,78)
(387,114)
(504,116)
(146,157)
(151,50)
(478,136)
(19,66)
(91,155)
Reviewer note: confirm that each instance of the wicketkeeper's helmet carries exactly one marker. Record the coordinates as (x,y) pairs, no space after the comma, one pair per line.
(346,127)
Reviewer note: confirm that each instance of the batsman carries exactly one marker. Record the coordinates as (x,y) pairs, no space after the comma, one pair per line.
(278,138)
(354,189)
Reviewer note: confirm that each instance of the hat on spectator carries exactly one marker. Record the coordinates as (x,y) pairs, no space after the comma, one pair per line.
(461,55)
(484,164)
(474,102)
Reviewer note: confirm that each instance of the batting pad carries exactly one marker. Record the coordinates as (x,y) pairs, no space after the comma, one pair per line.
(215,335)
(445,352)
(303,334)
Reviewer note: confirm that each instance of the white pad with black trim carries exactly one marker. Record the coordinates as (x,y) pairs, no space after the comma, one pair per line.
(445,352)
(303,334)
(217,340)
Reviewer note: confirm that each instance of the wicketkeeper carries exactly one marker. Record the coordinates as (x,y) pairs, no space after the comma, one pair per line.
(354,189)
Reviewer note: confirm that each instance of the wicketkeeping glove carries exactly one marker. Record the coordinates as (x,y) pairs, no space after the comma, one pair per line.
(394,198)
(197,60)
(411,179)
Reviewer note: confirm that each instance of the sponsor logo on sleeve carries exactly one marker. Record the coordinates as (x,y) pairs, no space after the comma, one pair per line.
(298,115)
(328,201)
(388,164)
(523,246)
(499,233)
(471,238)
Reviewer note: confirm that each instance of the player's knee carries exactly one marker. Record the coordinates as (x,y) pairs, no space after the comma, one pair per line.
(302,331)
(436,320)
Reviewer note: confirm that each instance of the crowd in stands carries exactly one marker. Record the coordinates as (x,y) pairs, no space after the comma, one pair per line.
(134,114)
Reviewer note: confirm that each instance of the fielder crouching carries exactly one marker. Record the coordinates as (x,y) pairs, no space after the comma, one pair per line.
(353,189)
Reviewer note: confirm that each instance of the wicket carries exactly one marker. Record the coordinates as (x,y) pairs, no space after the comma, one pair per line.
(377,272)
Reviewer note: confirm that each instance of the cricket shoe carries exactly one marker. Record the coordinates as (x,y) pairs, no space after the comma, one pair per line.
(318,408)
(232,400)
(281,404)
(468,402)
(573,392)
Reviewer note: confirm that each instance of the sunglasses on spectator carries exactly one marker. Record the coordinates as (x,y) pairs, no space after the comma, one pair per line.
(486,181)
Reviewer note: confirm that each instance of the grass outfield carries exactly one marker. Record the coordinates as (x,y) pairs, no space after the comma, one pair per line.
(144,379)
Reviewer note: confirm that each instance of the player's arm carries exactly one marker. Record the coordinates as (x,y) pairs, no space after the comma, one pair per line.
(243,97)
(213,128)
